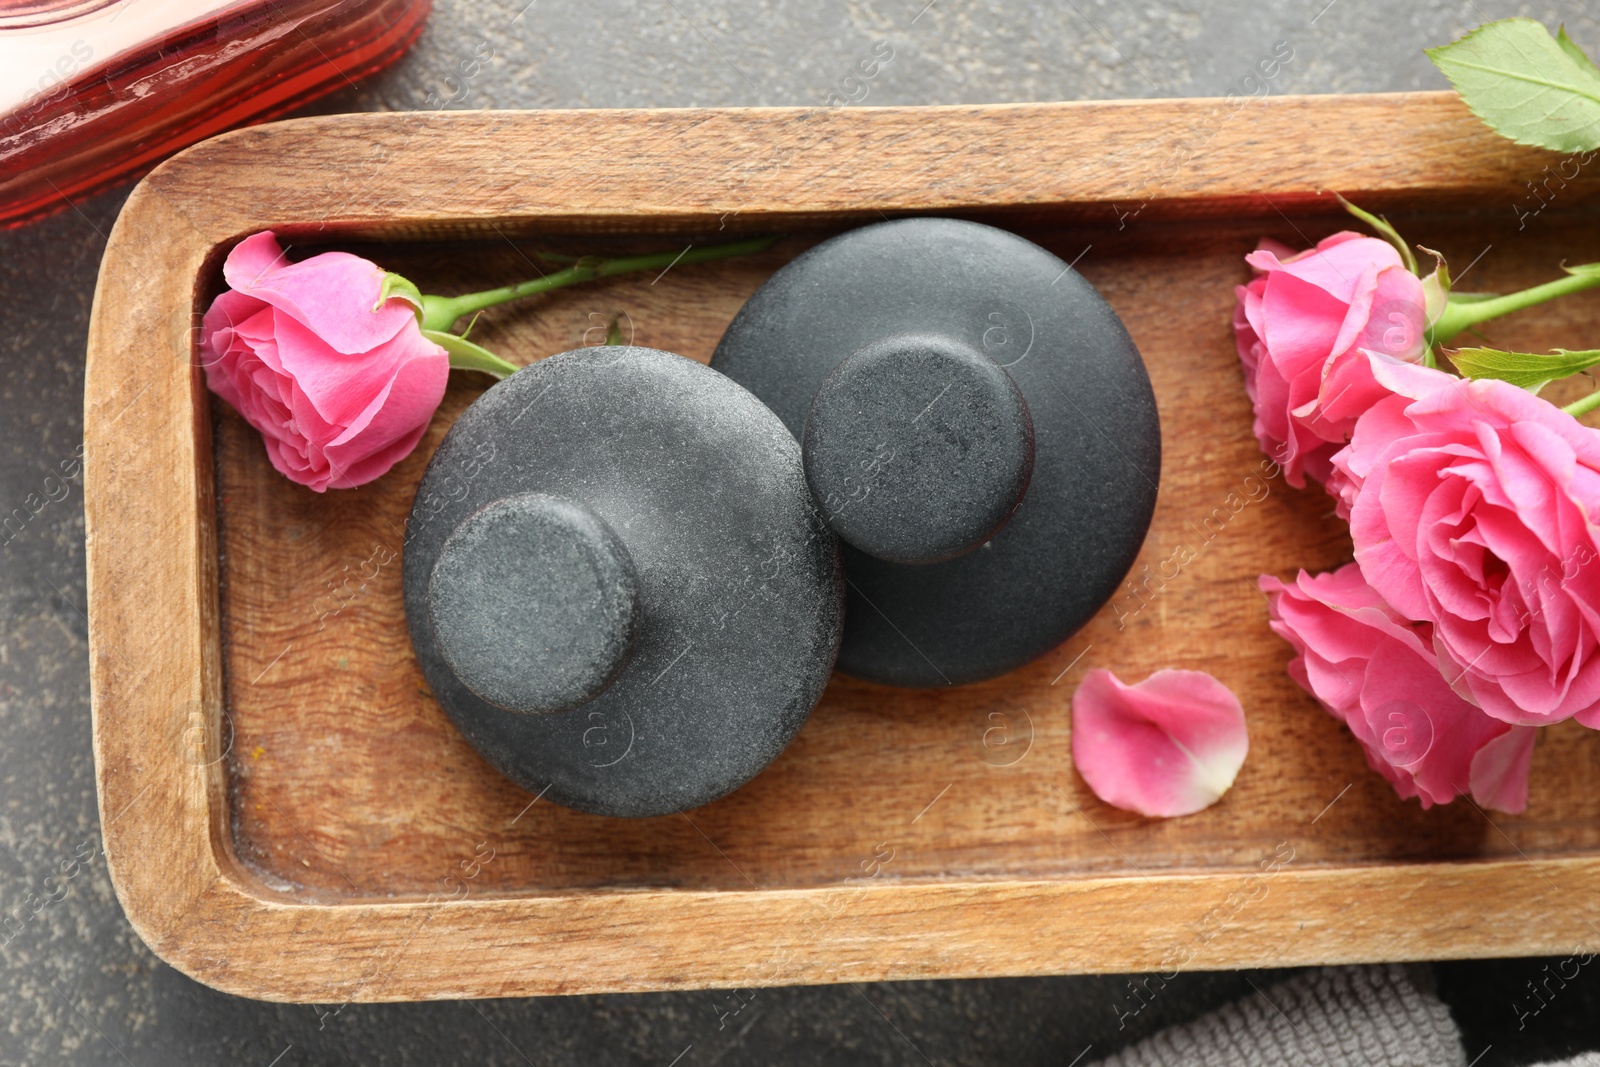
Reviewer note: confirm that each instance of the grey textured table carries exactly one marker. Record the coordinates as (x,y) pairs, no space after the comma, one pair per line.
(77,986)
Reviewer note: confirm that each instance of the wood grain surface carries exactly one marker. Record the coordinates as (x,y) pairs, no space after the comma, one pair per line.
(288,814)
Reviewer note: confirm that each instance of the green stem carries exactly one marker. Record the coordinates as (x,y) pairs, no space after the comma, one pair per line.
(1584,406)
(439,313)
(464,355)
(1460,316)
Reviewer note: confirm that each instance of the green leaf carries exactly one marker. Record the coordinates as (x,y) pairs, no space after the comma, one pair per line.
(1525,84)
(1529,370)
(395,285)
(1386,231)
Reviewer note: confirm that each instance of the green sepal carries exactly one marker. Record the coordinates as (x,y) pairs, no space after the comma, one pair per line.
(1435,298)
(1385,230)
(395,285)
(464,355)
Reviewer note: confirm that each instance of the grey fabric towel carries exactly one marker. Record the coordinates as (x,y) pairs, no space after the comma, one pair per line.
(1379,1016)
(1333,1017)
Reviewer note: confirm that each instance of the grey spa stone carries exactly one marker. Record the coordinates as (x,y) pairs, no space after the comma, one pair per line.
(918,448)
(616,584)
(871,326)
(534,603)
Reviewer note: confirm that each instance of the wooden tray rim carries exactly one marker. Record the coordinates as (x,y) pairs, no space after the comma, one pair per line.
(151,545)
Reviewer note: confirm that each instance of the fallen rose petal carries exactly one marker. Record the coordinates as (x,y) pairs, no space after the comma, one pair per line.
(1170,745)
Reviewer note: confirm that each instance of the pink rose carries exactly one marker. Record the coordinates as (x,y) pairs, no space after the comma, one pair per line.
(1473,507)
(1301,326)
(340,388)
(1374,671)
(1170,745)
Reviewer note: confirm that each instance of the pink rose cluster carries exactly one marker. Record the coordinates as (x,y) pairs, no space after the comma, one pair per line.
(1471,614)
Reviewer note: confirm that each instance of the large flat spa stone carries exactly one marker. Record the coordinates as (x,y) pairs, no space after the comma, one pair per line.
(892,352)
(616,584)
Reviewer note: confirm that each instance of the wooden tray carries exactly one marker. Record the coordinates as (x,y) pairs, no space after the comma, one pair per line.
(288,815)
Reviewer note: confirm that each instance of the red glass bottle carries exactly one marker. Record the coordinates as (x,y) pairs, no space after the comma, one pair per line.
(96,91)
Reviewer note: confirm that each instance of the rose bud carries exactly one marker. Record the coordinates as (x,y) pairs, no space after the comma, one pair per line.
(339,380)
(1301,327)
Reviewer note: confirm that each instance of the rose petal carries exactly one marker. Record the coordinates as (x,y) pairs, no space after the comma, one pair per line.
(1336,264)
(1499,775)
(1170,745)
(1376,673)
(332,294)
(1302,323)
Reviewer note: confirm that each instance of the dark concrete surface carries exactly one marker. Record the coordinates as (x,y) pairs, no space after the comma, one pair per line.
(76,984)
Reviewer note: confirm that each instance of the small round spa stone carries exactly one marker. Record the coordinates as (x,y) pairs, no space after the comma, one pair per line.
(918,448)
(1096,455)
(627,535)
(534,603)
